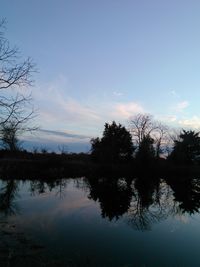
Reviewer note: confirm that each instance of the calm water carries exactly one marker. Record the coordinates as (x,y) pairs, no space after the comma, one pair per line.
(108,222)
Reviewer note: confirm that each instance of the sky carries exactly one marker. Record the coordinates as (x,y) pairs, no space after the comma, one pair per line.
(107,60)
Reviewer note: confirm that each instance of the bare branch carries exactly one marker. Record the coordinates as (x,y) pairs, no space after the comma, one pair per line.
(143,125)
(16,110)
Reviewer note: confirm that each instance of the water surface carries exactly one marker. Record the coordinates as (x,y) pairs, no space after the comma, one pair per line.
(108,222)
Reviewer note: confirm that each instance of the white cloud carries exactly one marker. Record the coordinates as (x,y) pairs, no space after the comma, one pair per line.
(167,118)
(193,122)
(126,110)
(172,118)
(181,106)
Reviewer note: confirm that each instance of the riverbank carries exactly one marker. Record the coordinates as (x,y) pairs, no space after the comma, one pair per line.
(23,165)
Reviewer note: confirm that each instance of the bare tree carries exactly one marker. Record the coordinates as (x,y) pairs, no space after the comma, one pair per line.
(16,109)
(161,138)
(17,122)
(12,72)
(143,125)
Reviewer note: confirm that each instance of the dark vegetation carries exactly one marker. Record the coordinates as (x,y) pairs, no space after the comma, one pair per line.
(115,146)
(114,153)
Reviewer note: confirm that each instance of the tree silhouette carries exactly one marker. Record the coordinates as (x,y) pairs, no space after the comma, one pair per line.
(187,149)
(115,145)
(17,124)
(15,108)
(143,125)
(9,137)
(146,152)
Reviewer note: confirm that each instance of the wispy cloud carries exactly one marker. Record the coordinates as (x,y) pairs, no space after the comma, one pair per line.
(78,111)
(64,134)
(126,110)
(193,122)
(172,118)
(181,106)
(53,140)
(167,118)
(60,109)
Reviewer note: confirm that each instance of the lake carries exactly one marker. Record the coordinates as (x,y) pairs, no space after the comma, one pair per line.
(101,222)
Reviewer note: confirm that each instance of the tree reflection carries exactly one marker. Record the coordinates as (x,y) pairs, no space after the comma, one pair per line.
(114,196)
(186,194)
(147,206)
(38,187)
(144,202)
(8,194)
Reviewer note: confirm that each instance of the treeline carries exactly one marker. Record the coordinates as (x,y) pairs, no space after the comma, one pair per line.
(146,142)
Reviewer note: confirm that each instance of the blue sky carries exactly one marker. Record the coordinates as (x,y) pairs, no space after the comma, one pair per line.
(107,60)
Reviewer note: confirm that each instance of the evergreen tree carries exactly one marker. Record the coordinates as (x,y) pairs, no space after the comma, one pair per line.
(146,151)
(115,145)
(187,148)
